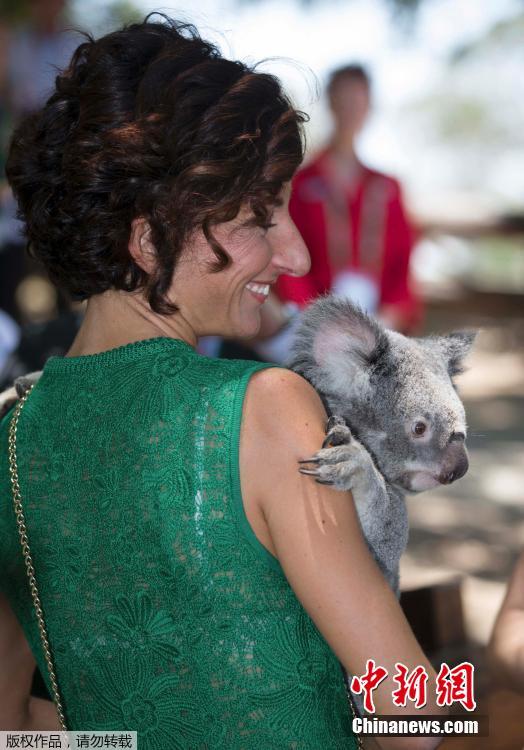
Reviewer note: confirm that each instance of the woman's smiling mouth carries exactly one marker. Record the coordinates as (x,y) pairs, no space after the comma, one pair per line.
(260,291)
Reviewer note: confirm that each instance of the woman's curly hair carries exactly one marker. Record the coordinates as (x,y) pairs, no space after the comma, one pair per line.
(152,121)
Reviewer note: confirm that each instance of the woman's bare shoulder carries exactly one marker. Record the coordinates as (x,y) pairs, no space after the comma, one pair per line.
(283,421)
(277,395)
(269,377)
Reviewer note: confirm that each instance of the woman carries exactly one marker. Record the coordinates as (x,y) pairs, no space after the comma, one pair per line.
(196,587)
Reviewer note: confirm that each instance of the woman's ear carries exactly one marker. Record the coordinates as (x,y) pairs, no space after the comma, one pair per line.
(140,245)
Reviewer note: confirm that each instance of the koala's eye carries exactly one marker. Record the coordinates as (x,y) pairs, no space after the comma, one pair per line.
(419,428)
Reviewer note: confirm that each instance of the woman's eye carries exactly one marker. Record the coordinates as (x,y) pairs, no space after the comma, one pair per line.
(265,227)
(419,428)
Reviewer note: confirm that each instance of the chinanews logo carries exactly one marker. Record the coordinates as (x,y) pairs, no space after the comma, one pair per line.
(452,686)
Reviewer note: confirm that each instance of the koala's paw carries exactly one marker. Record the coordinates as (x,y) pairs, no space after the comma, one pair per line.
(339,465)
(337,432)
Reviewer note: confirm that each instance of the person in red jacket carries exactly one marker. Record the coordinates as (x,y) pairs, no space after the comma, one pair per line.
(352,219)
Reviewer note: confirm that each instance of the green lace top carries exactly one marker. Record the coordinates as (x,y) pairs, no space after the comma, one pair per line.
(165,614)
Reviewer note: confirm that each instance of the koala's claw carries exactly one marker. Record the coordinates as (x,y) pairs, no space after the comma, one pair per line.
(315,472)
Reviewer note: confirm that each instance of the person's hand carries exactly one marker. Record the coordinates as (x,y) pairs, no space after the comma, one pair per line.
(506,645)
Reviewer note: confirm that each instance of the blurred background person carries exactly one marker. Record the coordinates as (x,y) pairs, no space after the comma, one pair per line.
(352,218)
(35,47)
(35,320)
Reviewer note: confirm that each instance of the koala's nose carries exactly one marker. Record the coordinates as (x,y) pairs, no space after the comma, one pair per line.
(458,471)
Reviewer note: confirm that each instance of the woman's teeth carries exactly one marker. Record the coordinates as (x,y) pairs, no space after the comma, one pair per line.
(259,288)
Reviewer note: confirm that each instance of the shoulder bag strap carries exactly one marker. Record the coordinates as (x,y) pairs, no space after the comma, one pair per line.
(17,501)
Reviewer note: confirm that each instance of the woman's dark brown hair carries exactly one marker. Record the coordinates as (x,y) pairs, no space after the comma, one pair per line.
(152,121)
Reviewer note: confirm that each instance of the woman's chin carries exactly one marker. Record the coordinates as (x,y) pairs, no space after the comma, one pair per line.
(249,327)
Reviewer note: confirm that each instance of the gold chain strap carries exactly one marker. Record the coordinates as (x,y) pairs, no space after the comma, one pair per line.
(358,737)
(17,500)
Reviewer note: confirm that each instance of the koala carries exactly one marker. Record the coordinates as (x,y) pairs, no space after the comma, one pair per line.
(397,424)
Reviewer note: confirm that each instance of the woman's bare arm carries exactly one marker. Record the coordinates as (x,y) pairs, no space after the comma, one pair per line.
(319,543)
(506,646)
(18,709)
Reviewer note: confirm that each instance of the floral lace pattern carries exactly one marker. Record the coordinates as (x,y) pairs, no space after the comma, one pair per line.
(165,613)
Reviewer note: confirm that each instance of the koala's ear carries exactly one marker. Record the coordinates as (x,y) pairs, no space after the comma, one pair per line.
(455,346)
(343,337)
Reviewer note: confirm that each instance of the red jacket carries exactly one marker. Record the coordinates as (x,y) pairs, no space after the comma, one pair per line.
(380,239)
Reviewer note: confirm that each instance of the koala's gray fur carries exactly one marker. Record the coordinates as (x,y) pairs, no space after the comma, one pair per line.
(381,384)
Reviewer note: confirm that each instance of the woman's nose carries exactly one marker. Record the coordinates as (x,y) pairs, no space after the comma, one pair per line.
(292,256)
